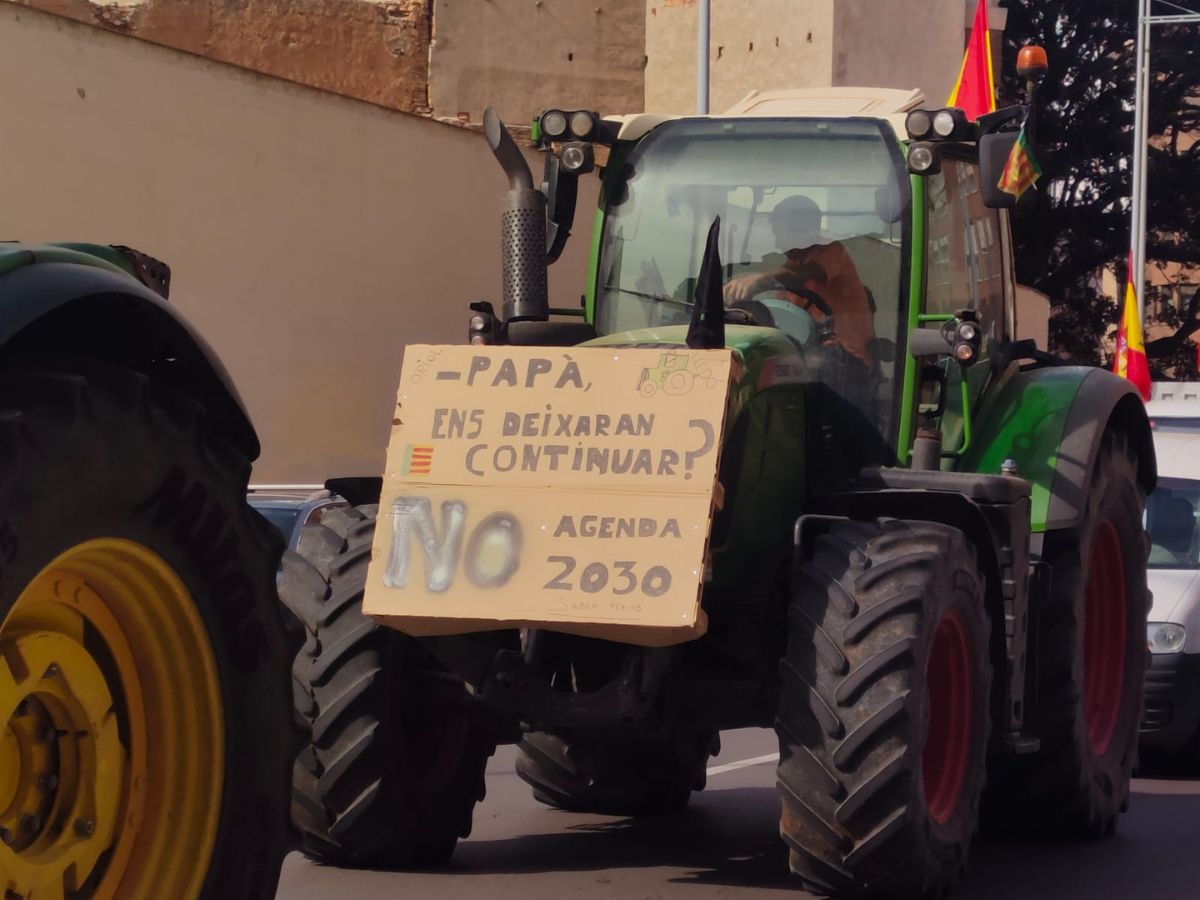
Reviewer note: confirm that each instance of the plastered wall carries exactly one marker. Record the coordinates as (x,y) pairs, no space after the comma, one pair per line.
(440,58)
(525,55)
(763,44)
(771,44)
(311,237)
(898,43)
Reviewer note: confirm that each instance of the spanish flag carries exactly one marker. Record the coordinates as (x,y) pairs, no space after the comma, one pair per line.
(1021,171)
(975,91)
(1130,360)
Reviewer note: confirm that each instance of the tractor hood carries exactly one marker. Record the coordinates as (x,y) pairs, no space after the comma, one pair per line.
(766,356)
(14,255)
(751,344)
(126,261)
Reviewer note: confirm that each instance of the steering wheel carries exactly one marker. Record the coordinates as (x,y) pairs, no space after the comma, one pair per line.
(788,307)
(788,317)
(804,298)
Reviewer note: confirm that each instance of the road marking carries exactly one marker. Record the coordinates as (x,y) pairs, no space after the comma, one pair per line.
(743,764)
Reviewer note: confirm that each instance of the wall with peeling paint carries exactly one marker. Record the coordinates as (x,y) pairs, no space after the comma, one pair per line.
(525,55)
(443,58)
(310,236)
(763,44)
(374,50)
(900,44)
(769,44)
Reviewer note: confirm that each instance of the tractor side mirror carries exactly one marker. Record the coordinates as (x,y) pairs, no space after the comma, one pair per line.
(994,150)
(561,187)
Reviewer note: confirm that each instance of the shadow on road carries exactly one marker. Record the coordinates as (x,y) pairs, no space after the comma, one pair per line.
(1153,854)
(730,838)
(725,837)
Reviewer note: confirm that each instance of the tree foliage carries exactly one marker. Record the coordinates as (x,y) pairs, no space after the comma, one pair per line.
(1078,222)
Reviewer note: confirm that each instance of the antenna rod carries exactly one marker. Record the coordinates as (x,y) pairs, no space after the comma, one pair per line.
(702,43)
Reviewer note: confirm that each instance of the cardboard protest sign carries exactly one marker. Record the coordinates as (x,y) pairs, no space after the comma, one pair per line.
(564,488)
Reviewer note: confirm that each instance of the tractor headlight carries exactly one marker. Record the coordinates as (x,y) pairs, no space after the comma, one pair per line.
(577,158)
(924,159)
(554,124)
(482,327)
(944,123)
(582,125)
(952,125)
(1165,637)
(918,124)
(966,343)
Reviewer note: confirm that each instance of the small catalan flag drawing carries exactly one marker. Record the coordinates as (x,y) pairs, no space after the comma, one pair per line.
(417,460)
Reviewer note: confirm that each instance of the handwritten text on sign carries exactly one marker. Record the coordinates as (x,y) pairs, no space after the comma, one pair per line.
(541,486)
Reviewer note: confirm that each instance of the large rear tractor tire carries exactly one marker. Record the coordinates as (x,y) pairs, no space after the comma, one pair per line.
(1091,659)
(144,718)
(623,779)
(883,722)
(395,752)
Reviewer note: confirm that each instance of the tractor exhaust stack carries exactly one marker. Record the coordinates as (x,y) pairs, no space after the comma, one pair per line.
(522,232)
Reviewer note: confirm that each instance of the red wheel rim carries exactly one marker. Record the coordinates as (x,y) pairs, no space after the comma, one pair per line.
(948,681)
(1105,617)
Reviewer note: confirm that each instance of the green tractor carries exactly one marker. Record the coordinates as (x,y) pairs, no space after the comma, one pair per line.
(926,570)
(143,692)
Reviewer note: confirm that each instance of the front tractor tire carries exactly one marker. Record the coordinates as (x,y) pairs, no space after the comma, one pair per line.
(394,752)
(883,720)
(1091,658)
(144,714)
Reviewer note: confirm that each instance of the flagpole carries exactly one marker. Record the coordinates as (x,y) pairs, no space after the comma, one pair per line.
(1141,139)
(702,54)
(1140,142)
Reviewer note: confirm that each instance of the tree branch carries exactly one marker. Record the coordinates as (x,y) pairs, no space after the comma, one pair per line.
(1172,343)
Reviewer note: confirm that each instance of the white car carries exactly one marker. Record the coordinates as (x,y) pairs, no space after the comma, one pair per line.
(1171,720)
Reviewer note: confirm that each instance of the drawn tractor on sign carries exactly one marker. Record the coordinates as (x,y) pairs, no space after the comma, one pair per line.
(929,563)
(675,375)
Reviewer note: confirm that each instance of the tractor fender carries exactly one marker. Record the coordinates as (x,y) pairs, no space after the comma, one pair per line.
(1049,422)
(1103,402)
(85,311)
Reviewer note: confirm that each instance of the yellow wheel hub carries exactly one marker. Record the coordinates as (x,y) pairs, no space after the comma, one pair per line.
(112,748)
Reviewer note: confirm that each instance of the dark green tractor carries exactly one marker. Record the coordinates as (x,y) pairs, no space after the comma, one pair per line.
(927,573)
(143,695)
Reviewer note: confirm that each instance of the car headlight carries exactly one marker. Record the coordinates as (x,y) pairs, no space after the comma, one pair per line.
(1165,637)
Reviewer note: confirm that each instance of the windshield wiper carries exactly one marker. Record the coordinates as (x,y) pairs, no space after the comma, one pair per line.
(655,298)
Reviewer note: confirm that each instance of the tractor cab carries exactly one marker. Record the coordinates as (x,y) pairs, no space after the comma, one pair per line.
(857,252)
(814,210)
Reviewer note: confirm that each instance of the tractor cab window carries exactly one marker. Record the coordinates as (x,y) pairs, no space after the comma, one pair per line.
(968,266)
(966,261)
(814,225)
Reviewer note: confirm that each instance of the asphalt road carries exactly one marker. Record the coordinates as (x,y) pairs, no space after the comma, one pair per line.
(726,845)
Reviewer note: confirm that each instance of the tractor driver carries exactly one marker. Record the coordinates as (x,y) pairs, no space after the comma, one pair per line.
(804,262)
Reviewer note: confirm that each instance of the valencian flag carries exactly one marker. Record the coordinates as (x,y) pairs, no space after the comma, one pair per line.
(1130,360)
(975,91)
(1021,171)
